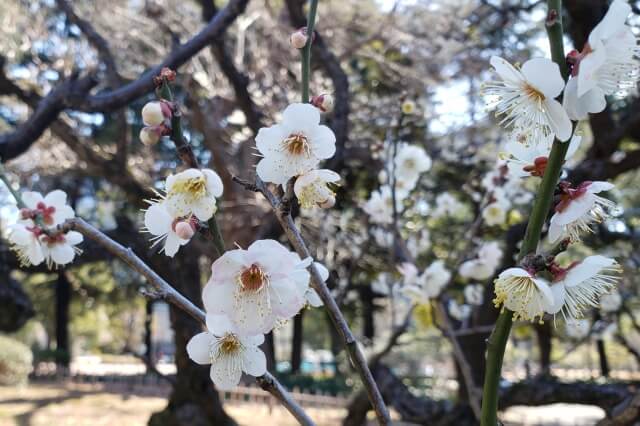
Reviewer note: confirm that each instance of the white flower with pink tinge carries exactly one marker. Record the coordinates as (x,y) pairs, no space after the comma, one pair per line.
(580,286)
(26,243)
(578,209)
(257,287)
(526,98)
(228,351)
(170,232)
(34,246)
(51,210)
(607,63)
(294,146)
(520,291)
(312,188)
(193,192)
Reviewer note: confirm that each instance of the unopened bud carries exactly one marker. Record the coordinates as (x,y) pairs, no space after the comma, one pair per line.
(152,114)
(323,102)
(184,230)
(149,136)
(408,107)
(328,203)
(299,38)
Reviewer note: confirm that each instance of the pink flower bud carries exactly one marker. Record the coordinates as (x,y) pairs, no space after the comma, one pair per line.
(323,102)
(299,38)
(149,136)
(154,113)
(184,230)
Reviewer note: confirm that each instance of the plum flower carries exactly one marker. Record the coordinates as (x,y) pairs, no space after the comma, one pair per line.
(294,146)
(312,188)
(171,233)
(581,285)
(474,294)
(229,352)
(52,209)
(194,192)
(379,206)
(25,242)
(257,287)
(608,62)
(428,285)
(530,159)
(526,98)
(60,249)
(523,293)
(578,209)
(410,162)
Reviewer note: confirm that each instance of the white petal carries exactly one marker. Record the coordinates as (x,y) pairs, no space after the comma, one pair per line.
(574,144)
(218,298)
(62,253)
(313,298)
(204,208)
(558,119)
(32,198)
(285,298)
(73,238)
(514,272)
(198,348)
(577,208)
(269,139)
(612,22)
(559,294)
(587,74)
(544,75)
(588,268)
(273,171)
(571,103)
(300,117)
(255,340)
(324,142)
(157,219)
(171,244)
(57,198)
(20,235)
(225,374)
(600,186)
(214,183)
(555,230)
(227,267)
(218,325)
(62,213)
(254,362)
(505,70)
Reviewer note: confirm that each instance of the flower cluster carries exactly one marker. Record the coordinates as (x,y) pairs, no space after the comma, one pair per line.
(526,99)
(249,293)
(190,198)
(156,117)
(294,148)
(35,237)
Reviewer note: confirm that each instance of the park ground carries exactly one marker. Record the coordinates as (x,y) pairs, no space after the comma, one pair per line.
(72,404)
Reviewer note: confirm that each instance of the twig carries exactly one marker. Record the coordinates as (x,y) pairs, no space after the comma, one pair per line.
(267,381)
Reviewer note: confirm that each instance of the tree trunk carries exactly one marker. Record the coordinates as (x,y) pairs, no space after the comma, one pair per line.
(544,333)
(63,300)
(296,342)
(148,333)
(193,400)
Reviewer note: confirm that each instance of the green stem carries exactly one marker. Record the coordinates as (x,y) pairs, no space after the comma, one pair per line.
(306,51)
(498,340)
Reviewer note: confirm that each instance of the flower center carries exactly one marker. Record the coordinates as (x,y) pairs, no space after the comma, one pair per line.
(533,93)
(253,279)
(45,212)
(297,144)
(195,187)
(53,239)
(229,344)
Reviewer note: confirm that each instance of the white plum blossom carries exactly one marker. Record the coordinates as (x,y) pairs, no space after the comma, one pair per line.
(476,269)
(257,287)
(526,98)
(428,285)
(312,188)
(26,244)
(60,248)
(52,209)
(167,230)
(581,285)
(490,253)
(228,351)
(474,294)
(530,159)
(193,192)
(578,209)
(495,213)
(459,311)
(294,146)
(520,291)
(577,328)
(608,62)
(410,162)
(446,205)
(379,206)
(611,302)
